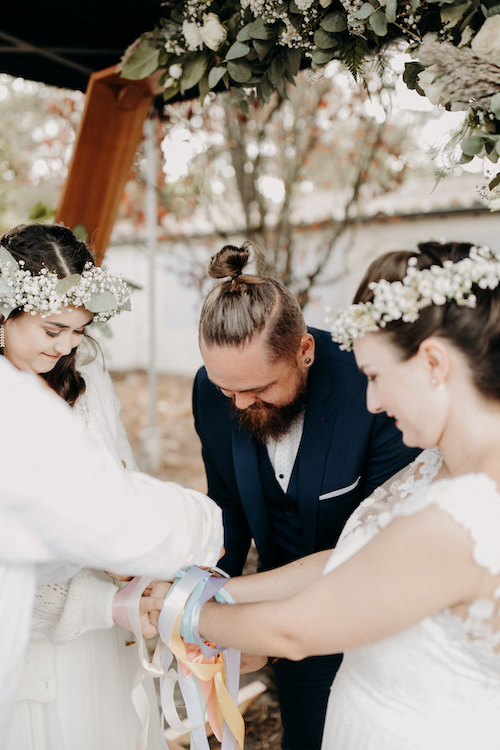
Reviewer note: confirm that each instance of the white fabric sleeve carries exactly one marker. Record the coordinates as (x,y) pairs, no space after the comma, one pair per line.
(64,611)
(62,498)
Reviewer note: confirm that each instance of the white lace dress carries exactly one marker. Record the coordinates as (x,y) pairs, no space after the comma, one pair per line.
(436,685)
(76,691)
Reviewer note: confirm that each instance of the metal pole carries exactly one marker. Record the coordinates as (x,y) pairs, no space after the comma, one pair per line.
(151,437)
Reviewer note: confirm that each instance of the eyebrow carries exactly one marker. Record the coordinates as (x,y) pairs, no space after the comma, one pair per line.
(60,325)
(247,390)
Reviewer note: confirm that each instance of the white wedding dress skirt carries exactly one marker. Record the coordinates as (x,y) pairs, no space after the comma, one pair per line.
(436,685)
(94,709)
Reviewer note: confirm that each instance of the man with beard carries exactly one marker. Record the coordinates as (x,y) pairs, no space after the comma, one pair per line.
(289,448)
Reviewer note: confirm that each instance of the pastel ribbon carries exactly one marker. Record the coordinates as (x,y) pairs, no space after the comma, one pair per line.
(126,613)
(208,676)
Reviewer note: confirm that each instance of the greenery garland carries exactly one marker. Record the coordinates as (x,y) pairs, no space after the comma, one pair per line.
(261,44)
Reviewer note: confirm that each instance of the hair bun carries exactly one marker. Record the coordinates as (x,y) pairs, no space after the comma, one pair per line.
(230,261)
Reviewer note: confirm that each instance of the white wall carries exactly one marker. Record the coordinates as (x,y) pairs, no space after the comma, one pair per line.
(178,308)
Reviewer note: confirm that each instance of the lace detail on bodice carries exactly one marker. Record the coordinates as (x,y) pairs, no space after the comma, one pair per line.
(472,500)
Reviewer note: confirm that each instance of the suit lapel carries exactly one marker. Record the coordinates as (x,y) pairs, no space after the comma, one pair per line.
(315,447)
(246,466)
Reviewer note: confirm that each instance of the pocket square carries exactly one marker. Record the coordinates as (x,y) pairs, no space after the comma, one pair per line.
(341,490)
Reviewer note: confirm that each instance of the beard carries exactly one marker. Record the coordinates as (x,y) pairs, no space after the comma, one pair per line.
(265,420)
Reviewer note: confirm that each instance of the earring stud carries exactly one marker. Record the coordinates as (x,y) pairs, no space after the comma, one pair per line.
(307,360)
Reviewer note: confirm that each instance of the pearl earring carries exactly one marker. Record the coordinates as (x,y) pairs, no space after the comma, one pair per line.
(2,337)
(439,388)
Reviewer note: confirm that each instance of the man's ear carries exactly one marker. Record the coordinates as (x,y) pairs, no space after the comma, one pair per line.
(305,353)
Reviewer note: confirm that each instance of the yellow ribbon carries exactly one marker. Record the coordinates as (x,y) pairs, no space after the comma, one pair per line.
(226,707)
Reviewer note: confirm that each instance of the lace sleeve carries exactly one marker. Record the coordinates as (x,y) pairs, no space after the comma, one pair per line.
(472,500)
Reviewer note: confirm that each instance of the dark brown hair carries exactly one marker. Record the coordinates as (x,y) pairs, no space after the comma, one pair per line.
(237,310)
(474,331)
(61,252)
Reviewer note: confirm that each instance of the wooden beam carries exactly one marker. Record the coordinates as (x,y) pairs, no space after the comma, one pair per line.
(109,134)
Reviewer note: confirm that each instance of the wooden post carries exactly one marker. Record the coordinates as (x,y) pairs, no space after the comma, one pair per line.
(110,132)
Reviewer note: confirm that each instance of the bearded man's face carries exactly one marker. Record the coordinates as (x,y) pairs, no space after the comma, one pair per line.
(263,420)
(267,394)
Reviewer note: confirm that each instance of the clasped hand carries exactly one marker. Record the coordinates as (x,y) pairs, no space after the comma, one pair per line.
(149,611)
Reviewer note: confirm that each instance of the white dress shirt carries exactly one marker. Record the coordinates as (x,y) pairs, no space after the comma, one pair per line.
(283,452)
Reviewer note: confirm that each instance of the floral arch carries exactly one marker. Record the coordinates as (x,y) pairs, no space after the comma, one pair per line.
(260,44)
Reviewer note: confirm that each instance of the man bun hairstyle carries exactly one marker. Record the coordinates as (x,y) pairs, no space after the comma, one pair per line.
(245,306)
(474,331)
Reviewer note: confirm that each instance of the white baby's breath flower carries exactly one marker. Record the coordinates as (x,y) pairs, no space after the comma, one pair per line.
(213,33)
(486,43)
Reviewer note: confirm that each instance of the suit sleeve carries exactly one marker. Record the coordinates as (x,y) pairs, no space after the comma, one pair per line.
(212,423)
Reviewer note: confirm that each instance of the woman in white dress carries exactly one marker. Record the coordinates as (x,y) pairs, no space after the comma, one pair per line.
(411,593)
(80,666)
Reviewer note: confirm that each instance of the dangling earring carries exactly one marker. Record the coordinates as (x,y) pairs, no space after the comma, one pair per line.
(2,337)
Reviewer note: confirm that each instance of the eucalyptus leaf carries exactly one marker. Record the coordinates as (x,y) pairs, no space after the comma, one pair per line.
(276,70)
(495,105)
(80,231)
(5,287)
(193,72)
(243,34)
(237,50)
(472,145)
(203,88)
(6,259)
(102,327)
(364,12)
(67,283)
(321,56)
(142,62)
(261,48)
(101,302)
(497,147)
(334,22)
(215,75)
(5,310)
(465,159)
(259,29)
(324,40)
(293,58)
(378,23)
(391,10)
(414,4)
(488,12)
(265,89)
(171,91)
(126,307)
(240,71)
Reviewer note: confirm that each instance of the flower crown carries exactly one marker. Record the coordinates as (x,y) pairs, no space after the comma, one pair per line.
(102,292)
(403,300)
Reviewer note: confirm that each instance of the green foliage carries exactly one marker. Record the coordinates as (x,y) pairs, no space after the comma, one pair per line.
(41,212)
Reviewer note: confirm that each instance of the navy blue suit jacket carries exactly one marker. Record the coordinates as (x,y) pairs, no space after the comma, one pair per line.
(345,453)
